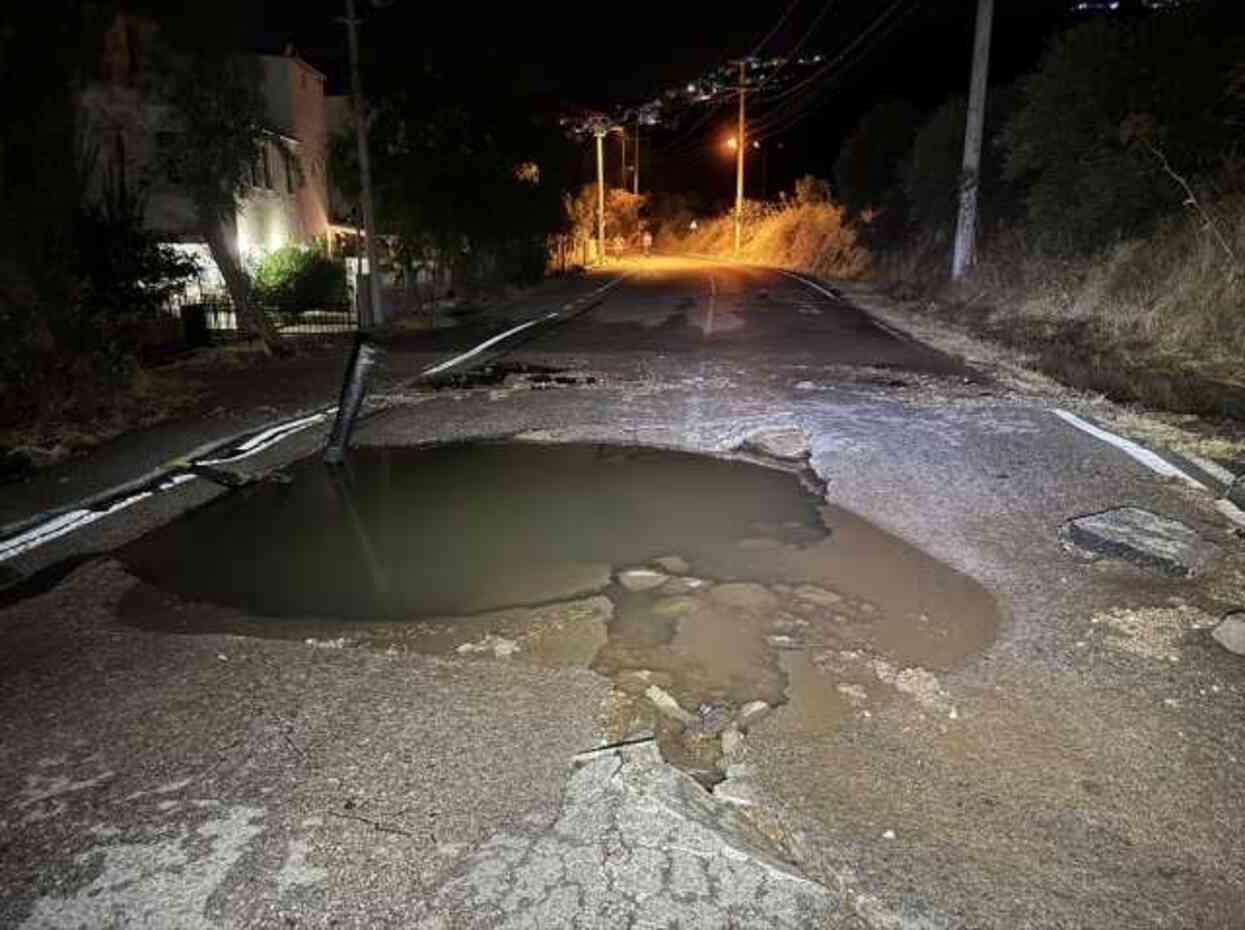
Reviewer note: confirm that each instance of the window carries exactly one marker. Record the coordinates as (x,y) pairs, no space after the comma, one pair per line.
(291,169)
(265,169)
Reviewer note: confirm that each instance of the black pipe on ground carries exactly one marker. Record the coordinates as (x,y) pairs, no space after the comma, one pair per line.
(362,358)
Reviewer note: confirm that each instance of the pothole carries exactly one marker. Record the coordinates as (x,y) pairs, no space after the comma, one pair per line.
(698,586)
(535,377)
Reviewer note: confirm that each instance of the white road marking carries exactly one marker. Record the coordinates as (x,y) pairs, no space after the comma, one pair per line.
(1152,461)
(74,520)
(65,523)
(1231,511)
(1214,469)
(1130,448)
(880,324)
(269,437)
(471,353)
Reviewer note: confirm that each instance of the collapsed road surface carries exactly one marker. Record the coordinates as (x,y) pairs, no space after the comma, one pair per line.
(978,687)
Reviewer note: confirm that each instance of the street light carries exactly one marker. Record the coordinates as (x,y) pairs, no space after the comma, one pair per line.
(732,145)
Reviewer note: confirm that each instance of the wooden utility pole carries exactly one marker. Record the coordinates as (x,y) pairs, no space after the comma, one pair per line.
(637,155)
(966,225)
(600,131)
(376,313)
(742,141)
(622,170)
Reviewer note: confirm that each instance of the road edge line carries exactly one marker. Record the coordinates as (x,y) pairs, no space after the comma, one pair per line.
(34,531)
(1152,460)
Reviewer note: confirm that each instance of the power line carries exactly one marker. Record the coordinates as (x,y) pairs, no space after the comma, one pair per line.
(799,46)
(756,50)
(778,25)
(801,98)
(808,100)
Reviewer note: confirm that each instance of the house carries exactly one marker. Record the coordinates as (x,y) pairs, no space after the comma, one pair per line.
(287,199)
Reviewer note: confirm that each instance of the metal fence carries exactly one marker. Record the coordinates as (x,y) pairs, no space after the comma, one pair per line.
(217,320)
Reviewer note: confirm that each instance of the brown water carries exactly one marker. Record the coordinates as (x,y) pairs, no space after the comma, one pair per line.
(427,548)
(409,533)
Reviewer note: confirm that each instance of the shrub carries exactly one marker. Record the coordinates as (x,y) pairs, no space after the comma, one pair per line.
(869,167)
(931,174)
(297,278)
(1089,183)
(810,235)
(73,320)
(810,190)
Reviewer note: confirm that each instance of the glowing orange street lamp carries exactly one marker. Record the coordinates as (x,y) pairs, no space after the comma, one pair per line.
(732,143)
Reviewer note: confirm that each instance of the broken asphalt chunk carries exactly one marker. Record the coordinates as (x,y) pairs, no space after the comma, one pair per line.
(1146,539)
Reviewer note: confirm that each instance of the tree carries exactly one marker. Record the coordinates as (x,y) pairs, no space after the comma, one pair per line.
(931,173)
(870,164)
(465,175)
(216,116)
(1088,180)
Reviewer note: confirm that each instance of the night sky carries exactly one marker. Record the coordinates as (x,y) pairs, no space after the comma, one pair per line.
(566,56)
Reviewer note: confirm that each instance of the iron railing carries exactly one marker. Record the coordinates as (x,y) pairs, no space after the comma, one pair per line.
(220,320)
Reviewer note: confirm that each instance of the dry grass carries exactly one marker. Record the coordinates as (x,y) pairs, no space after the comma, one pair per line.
(807,236)
(1159,320)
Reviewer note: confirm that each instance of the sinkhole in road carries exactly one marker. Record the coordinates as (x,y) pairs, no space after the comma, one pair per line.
(709,582)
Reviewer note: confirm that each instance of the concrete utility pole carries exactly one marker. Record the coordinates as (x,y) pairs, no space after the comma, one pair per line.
(600,131)
(742,143)
(637,155)
(966,226)
(376,312)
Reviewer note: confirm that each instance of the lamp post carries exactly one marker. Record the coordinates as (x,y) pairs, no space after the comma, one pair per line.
(740,145)
(637,154)
(622,169)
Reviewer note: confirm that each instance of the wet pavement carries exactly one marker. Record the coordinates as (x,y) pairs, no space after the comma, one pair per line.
(929,712)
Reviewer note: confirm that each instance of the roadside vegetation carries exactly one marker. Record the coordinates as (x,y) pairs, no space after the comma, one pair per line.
(296,278)
(1112,213)
(806,231)
(81,279)
(455,146)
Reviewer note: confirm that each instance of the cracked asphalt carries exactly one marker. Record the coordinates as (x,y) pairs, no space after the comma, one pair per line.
(1083,769)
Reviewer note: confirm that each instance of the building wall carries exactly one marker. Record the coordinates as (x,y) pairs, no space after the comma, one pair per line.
(287,201)
(294,92)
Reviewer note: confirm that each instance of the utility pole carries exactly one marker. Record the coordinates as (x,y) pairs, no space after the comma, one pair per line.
(600,130)
(375,310)
(764,171)
(622,170)
(742,141)
(966,225)
(637,155)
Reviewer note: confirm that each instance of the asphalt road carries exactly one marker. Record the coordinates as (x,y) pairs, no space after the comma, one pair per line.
(1083,768)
